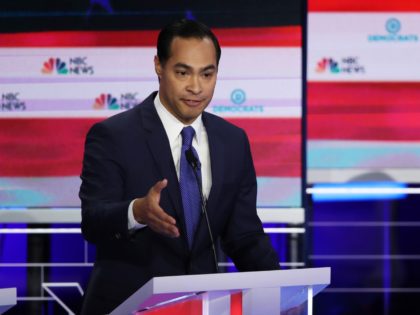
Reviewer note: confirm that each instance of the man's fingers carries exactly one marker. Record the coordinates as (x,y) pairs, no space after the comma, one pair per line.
(165,229)
(162,222)
(161,215)
(171,230)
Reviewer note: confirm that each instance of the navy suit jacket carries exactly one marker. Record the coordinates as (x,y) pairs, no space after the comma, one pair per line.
(125,156)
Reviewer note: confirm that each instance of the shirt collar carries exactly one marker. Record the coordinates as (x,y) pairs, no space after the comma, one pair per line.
(172,125)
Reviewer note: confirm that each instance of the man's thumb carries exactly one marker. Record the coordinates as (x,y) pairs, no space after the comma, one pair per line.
(160,185)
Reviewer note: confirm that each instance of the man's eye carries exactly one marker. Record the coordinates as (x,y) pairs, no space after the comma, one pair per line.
(208,74)
(181,73)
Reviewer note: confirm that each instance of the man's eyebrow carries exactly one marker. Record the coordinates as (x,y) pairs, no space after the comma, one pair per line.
(182,65)
(209,67)
(185,66)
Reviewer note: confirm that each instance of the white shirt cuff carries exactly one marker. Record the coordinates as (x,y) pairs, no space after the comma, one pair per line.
(132,223)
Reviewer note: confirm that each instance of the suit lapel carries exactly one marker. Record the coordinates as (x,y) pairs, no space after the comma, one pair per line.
(216,159)
(217,170)
(158,144)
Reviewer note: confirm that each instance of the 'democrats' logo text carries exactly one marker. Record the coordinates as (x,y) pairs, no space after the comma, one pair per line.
(348,65)
(76,65)
(12,102)
(108,101)
(238,98)
(393,27)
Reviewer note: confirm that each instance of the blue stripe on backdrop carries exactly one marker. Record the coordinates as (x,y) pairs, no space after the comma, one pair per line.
(358,191)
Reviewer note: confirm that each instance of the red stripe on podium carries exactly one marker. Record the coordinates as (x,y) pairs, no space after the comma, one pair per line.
(194,307)
(189,307)
(236,304)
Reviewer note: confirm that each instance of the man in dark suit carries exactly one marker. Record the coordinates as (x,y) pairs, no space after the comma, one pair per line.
(135,207)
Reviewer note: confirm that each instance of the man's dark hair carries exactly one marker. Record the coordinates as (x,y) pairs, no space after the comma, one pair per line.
(185,29)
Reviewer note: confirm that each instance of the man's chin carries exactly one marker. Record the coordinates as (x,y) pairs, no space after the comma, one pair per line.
(189,118)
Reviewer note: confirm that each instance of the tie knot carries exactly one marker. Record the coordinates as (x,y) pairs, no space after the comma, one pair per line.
(187,136)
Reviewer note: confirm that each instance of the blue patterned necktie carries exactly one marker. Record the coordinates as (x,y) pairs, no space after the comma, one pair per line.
(189,186)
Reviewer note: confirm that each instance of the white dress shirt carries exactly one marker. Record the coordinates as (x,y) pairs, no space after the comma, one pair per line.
(173,128)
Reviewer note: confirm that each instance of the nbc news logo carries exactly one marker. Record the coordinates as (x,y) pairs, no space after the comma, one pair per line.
(76,65)
(108,101)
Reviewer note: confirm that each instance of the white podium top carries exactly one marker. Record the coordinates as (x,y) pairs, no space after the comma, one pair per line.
(7,299)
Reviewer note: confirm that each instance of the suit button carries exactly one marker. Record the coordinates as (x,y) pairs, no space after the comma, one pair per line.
(117,236)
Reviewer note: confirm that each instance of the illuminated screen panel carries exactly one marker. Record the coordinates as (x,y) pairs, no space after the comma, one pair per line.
(56,85)
(363,91)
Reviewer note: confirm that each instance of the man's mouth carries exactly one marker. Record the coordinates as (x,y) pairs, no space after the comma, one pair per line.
(192,102)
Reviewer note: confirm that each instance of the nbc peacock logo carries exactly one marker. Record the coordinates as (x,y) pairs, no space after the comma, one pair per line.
(106,101)
(349,65)
(327,64)
(54,65)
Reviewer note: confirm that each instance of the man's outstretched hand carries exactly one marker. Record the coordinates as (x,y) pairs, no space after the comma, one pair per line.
(148,211)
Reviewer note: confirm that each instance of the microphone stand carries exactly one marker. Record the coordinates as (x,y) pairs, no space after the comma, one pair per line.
(192,160)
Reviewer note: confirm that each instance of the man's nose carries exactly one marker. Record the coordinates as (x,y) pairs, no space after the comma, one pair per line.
(194,85)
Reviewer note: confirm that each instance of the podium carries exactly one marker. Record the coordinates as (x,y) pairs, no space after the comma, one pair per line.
(7,299)
(259,292)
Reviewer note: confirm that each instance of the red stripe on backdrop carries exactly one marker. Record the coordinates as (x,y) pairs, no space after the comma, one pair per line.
(275,145)
(286,36)
(42,147)
(364,6)
(264,36)
(80,39)
(54,147)
(364,111)
(363,97)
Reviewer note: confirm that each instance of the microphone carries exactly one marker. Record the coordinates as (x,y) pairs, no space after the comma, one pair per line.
(194,163)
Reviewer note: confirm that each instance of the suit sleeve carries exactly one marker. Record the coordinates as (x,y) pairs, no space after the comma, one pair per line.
(244,239)
(104,210)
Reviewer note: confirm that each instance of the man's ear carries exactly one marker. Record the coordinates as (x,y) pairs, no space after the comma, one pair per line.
(158,67)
